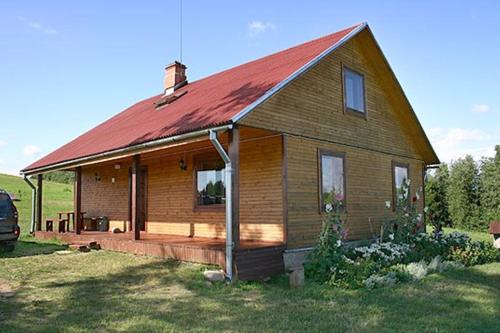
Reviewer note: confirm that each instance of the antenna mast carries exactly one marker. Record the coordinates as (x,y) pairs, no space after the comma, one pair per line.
(180,31)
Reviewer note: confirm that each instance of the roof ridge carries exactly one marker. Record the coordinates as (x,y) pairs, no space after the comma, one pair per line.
(311,41)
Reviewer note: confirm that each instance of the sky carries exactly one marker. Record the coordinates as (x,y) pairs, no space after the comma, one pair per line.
(66,66)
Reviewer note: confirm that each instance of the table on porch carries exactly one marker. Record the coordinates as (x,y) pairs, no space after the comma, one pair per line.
(70,217)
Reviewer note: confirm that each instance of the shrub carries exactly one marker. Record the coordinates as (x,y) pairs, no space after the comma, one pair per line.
(475,253)
(406,255)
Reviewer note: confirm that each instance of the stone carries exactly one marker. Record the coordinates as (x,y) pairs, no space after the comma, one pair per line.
(297,278)
(83,248)
(94,246)
(214,275)
(295,258)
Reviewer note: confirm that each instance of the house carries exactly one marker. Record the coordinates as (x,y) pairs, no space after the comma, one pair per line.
(234,169)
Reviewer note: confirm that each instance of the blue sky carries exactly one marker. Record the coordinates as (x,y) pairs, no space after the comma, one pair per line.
(65,66)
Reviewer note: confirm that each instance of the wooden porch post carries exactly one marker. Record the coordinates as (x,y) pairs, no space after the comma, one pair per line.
(78,200)
(39,202)
(234,156)
(135,197)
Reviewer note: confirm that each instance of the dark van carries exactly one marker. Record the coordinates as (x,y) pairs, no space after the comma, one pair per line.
(9,229)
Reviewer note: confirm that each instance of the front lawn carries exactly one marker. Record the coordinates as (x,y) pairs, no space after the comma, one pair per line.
(112,292)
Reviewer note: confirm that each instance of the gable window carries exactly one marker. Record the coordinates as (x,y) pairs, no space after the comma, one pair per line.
(354,91)
(400,174)
(332,179)
(210,188)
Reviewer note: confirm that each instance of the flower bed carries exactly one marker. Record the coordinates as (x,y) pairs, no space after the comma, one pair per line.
(403,253)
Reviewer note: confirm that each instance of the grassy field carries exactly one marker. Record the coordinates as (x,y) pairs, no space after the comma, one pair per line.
(56,290)
(56,197)
(111,292)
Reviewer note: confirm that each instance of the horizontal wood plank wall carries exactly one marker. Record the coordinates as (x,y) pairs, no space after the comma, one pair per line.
(170,191)
(369,185)
(310,110)
(312,106)
(102,197)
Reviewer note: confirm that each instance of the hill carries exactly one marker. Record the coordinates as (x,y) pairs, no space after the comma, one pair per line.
(56,197)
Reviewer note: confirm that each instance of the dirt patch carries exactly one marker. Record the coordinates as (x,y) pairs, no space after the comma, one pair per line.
(5,289)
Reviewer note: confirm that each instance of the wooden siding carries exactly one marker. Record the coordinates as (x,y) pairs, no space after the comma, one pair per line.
(368,186)
(170,191)
(312,106)
(311,111)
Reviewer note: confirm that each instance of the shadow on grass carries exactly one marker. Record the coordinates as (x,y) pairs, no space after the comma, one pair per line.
(28,246)
(167,296)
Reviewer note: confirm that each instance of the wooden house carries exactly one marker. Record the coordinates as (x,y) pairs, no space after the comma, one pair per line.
(233,169)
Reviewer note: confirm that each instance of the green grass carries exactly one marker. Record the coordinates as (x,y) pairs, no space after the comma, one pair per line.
(56,197)
(111,292)
(56,290)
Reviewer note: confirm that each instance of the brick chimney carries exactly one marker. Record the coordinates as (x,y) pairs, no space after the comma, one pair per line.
(175,77)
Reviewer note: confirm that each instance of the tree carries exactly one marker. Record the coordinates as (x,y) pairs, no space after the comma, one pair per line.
(436,195)
(489,183)
(463,195)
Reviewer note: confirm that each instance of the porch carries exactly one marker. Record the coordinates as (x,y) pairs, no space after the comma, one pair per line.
(253,260)
(189,200)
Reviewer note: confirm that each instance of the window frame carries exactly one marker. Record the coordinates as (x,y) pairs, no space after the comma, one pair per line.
(395,164)
(197,166)
(331,153)
(348,110)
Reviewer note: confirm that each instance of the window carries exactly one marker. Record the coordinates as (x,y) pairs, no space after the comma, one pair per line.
(332,182)
(400,174)
(210,187)
(354,91)
(6,207)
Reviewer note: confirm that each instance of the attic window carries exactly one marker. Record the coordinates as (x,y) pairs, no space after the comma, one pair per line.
(169,99)
(354,91)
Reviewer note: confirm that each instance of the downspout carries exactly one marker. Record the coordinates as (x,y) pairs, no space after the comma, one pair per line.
(229,204)
(33,203)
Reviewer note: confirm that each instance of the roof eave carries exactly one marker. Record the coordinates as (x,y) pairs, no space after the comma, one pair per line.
(125,151)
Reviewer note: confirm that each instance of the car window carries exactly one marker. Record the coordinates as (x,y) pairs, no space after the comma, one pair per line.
(5,206)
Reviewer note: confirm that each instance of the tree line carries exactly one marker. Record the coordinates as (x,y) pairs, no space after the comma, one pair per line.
(65,177)
(465,194)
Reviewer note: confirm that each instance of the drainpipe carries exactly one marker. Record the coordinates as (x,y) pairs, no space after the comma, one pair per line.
(33,202)
(229,204)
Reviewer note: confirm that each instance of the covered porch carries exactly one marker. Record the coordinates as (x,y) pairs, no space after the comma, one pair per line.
(253,259)
(162,208)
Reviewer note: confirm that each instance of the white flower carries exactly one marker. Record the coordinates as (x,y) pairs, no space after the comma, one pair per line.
(387,204)
(426,209)
(391,237)
(339,243)
(417,196)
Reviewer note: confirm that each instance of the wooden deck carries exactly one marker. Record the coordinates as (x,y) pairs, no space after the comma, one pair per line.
(253,259)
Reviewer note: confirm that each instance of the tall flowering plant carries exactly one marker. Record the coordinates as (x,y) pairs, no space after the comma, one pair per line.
(327,254)
(408,221)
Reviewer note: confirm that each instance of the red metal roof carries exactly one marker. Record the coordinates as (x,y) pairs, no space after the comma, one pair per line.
(209,102)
